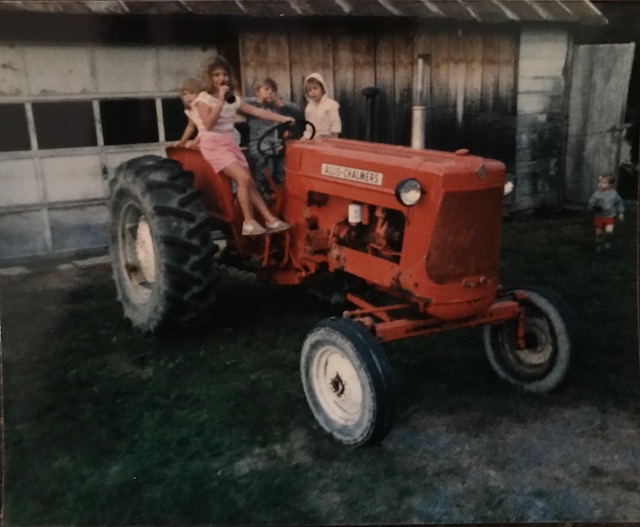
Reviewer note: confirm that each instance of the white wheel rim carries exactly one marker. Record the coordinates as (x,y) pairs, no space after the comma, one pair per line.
(337,385)
(145,252)
(542,351)
(137,254)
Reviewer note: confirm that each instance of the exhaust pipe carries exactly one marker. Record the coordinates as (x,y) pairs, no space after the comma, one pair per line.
(419,111)
(418,124)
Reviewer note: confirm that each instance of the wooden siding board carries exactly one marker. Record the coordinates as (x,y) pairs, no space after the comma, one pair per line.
(310,53)
(344,82)
(457,73)
(364,75)
(353,70)
(385,81)
(472,120)
(504,115)
(490,71)
(472,43)
(403,87)
(439,113)
(507,74)
(265,54)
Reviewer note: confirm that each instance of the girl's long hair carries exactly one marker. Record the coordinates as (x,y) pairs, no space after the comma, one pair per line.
(213,64)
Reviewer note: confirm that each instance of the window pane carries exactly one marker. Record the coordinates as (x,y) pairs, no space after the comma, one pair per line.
(127,121)
(174,118)
(14,133)
(64,124)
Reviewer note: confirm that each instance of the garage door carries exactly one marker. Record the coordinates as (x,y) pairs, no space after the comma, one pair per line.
(70,114)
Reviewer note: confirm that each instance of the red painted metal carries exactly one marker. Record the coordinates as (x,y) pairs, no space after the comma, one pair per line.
(440,257)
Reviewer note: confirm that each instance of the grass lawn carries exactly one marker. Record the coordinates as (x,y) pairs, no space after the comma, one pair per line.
(106,426)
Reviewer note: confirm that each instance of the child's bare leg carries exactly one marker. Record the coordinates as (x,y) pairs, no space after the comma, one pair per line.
(247,195)
(608,234)
(259,203)
(243,179)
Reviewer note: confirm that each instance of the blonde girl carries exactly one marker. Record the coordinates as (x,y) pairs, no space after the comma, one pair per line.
(216,110)
(189,90)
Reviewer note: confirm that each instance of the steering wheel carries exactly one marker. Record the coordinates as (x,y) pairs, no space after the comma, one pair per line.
(295,130)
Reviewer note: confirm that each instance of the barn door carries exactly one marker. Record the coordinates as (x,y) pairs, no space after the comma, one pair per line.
(597,103)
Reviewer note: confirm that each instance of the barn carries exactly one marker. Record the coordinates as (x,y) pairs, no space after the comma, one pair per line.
(87,85)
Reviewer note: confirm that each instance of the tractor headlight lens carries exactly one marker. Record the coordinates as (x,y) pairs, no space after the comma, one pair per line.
(408,192)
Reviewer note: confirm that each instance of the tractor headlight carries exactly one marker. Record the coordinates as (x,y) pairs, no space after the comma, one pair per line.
(509,184)
(408,192)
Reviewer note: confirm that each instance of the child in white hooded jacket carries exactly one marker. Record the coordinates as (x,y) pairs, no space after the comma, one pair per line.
(321,110)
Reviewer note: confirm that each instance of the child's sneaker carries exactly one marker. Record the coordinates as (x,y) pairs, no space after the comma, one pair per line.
(252,228)
(277,225)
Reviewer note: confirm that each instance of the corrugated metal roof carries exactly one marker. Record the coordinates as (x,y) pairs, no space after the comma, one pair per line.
(483,11)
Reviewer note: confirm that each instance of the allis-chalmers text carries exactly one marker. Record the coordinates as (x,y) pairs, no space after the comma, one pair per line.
(352,174)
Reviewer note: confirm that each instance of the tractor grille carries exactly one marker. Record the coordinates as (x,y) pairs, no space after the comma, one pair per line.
(466,237)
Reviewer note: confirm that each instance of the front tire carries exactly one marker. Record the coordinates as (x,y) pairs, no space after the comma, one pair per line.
(347,382)
(550,340)
(160,244)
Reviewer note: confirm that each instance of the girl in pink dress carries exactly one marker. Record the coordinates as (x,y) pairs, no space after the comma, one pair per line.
(216,108)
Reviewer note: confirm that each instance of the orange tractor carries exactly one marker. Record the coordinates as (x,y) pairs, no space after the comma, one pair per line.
(413,236)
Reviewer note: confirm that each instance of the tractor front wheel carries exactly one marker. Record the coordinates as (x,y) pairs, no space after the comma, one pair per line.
(347,382)
(549,341)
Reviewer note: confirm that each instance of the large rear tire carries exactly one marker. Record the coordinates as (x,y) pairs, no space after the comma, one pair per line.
(347,382)
(550,338)
(160,244)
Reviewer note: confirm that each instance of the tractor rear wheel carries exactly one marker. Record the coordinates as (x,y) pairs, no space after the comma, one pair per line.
(160,244)
(550,339)
(347,382)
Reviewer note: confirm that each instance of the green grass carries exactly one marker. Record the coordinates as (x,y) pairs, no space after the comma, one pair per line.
(106,426)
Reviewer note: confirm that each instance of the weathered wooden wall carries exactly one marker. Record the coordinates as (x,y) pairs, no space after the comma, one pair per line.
(471,93)
(599,89)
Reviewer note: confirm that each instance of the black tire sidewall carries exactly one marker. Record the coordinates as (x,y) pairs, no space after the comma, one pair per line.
(554,310)
(374,374)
